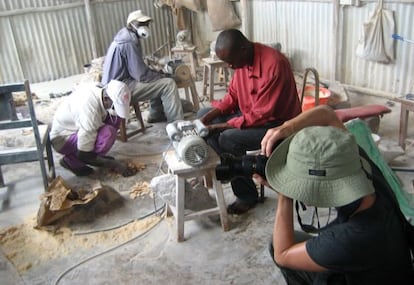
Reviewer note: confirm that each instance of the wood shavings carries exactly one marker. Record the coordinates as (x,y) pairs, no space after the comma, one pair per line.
(138,167)
(19,98)
(26,132)
(131,165)
(26,248)
(140,189)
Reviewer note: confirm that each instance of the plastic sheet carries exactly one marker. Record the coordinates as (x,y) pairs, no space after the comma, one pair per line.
(364,139)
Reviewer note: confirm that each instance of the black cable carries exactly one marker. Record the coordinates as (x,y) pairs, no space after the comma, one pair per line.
(401,169)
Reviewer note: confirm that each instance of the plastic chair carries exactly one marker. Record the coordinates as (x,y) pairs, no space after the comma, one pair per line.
(9,123)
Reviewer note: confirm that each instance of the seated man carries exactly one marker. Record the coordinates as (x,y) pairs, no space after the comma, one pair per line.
(124,62)
(322,166)
(261,95)
(85,127)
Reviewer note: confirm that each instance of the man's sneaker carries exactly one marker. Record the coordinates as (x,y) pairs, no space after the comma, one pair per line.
(239,207)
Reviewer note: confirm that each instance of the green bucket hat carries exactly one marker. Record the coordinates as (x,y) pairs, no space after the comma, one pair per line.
(319,166)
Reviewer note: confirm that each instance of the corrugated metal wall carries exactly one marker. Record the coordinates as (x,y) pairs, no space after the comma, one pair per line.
(50,39)
(397,78)
(324,35)
(47,40)
(308,34)
(303,29)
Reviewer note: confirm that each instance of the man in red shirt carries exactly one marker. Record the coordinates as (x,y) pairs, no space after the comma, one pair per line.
(262,94)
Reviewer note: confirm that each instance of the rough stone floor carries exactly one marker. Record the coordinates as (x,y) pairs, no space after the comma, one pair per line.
(129,244)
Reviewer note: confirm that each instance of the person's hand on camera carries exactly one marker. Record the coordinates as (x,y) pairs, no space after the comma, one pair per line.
(260,179)
(273,136)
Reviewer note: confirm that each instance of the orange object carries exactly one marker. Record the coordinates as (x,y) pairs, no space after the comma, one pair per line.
(309,97)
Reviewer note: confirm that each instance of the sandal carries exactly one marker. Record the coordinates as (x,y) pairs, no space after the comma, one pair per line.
(239,207)
(82,171)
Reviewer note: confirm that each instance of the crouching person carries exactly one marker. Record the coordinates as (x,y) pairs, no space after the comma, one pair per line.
(323,166)
(85,127)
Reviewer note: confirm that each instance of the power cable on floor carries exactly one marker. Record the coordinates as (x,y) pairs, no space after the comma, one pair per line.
(164,153)
(120,225)
(106,251)
(156,210)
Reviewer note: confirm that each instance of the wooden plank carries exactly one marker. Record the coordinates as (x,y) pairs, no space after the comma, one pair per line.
(6,125)
(202,213)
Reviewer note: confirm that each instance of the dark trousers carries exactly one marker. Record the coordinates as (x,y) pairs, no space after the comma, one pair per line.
(237,142)
(294,277)
(300,277)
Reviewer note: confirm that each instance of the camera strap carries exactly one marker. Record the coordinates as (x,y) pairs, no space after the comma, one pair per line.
(310,228)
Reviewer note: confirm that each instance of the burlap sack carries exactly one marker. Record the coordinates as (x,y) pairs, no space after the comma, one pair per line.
(376,43)
(193,5)
(222,15)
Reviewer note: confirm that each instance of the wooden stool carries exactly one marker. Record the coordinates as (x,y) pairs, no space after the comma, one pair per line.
(210,66)
(187,52)
(190,89)
(123,135)
(407,105)
(182,171)
(183,79)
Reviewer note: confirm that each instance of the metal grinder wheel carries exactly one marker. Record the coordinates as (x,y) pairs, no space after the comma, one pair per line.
(182,73)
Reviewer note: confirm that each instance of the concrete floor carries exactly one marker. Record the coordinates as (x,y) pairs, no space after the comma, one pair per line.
(152,256)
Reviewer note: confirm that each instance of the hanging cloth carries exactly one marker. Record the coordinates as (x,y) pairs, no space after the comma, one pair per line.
(376,42)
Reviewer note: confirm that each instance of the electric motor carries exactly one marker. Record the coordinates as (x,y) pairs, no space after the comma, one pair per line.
(186,137)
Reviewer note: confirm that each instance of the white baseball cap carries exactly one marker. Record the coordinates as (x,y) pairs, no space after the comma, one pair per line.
(120,95)
(138,16)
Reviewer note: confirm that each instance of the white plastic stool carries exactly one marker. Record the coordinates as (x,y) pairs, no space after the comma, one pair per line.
(182,171)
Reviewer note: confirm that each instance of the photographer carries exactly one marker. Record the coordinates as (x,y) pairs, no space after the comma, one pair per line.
(323,166)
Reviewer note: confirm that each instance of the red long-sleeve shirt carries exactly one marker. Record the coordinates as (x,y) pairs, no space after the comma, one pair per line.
(263,92)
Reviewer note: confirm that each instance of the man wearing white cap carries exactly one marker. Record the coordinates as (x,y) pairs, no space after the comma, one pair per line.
(85,127)
(124,62)
(320,164)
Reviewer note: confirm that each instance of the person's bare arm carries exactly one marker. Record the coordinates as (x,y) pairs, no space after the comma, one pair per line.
(286,252)
(211,115)
(322,115)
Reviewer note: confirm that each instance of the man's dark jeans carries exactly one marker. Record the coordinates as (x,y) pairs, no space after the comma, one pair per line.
(237,142)
(299,277)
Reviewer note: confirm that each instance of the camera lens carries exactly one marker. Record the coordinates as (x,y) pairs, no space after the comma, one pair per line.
(245,166)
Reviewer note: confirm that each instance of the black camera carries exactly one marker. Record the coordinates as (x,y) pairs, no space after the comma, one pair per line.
(247,165)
